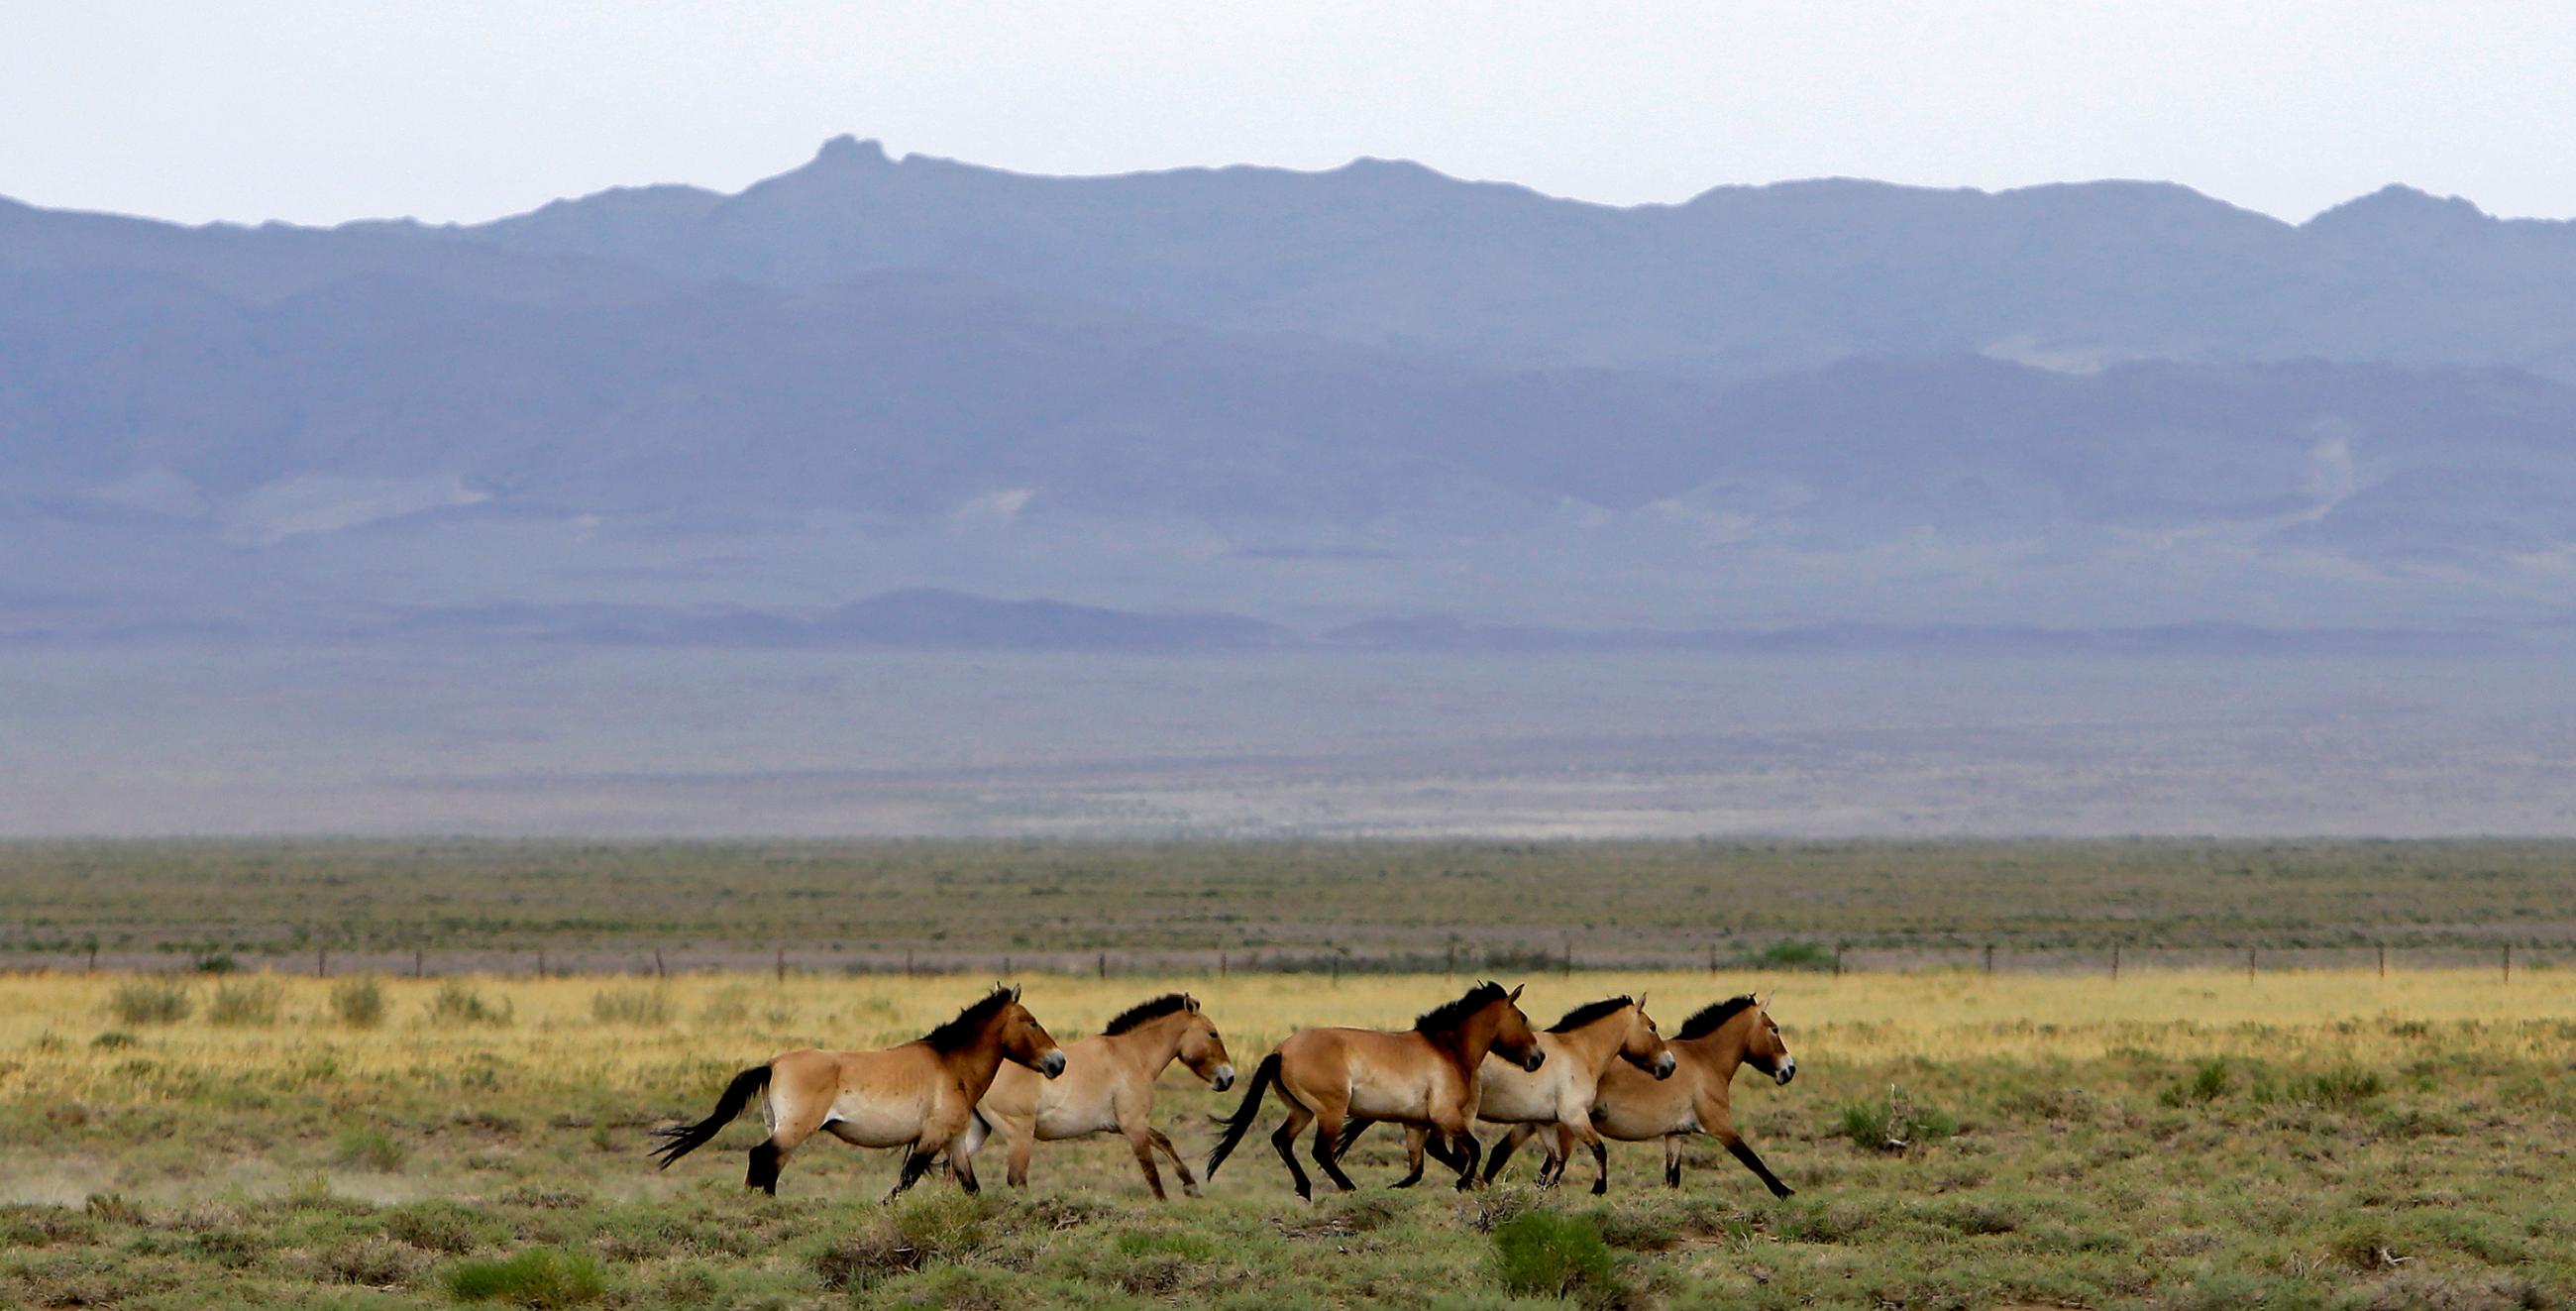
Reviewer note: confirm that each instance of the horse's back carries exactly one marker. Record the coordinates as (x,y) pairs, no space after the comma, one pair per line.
(1378,1074)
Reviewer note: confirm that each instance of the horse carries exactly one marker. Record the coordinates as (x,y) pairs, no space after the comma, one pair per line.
(1634,1108)
(1108,1087)
(1424,1076)
(1581,1048)
(920,1096)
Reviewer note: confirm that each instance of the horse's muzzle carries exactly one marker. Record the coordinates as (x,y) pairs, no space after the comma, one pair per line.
(1788,1070)
(1224,1078)
(1664,1066)
(1535,1059)
(1052,1064)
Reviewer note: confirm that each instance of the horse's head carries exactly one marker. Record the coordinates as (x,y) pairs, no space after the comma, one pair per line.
(1763,1048)
(1024,1041)
(1643,1044)
(1203,1049)
(1514,1040)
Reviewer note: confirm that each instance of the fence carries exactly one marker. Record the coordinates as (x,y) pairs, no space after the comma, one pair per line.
(1731,958)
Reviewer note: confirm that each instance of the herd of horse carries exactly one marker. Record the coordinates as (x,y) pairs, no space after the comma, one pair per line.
(1604,1071)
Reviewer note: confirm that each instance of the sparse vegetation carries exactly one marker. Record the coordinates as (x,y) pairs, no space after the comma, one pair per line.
(2169,1139)
(458,1002)
(540,1278)
(151,1000)
(359,1002)
(631,1006)
(248,1001)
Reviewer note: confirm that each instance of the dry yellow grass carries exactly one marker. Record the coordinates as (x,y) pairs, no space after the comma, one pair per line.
(48,1021)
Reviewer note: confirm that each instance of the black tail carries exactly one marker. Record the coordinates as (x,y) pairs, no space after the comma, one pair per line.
(688,1138)
(1262,1077)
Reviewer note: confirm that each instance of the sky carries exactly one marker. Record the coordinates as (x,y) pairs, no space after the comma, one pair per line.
(457,110)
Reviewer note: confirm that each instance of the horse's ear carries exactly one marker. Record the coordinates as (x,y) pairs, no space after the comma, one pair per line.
(1015,994)
(1191,1002)
(1516,992)
(1639,1001)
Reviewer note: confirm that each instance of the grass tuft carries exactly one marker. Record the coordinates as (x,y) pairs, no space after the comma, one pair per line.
(650,1006)
(539,1278)
(457,1004)
(251,1003)
(1545,1254)
(151,1000)
(359,1002)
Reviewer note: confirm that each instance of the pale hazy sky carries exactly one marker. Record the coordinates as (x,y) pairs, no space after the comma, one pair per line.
(320,110)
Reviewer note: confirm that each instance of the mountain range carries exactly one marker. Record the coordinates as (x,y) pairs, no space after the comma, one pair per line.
(917,402)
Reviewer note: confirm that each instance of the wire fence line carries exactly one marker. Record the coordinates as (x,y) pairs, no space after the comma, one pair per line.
(1717,959)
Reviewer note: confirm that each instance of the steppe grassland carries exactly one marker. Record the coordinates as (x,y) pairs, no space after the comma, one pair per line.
(2186,1138)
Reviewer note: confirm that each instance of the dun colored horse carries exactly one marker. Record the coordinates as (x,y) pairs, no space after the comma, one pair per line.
(1425,1077)
(1580,1049)
(920,1096)
(1634,1108)
(1108,1087)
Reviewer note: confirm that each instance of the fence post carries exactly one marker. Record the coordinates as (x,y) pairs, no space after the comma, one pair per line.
(322,963)
(2508,962)
(1712,958)
(541,962)
(658,971)
(782,964)
(417,970)
(1990,958)
(2249,965)
(1565,961)
(1220,964)
(1452,966)
(2115,962)
(93,958)
(1838,960)
(2383,960)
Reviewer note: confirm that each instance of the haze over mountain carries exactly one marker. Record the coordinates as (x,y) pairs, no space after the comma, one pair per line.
(1220,408)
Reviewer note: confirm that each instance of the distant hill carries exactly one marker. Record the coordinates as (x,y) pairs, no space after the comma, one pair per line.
(1209,406)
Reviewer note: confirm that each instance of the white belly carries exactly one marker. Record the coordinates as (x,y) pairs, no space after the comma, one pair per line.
(875,1124)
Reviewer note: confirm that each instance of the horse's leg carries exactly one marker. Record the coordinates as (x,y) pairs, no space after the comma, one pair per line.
(1503,1150)
(1189,1182)
(1024,1144)
(789,1127)
(1328,1127)
(1672,1160)
(916,1163)
(1415,1136)
(1284,1141)
(1744,1152)
(1469,1150)
(1140,1141)
(1600,1157)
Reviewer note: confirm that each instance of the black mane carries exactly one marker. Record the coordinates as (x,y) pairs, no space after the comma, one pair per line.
(970,1022)
(1449,1015)
(1142,1011)
(1590,1011)
(1709,1017)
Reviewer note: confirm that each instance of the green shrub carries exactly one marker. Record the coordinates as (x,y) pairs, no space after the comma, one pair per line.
(1790,954)
(2339,1089)
(1895,1124)
(1544,1254)
(631,1006)
(151,1001)
(251,1002)
(113,1040)
(2208,1081)
(441,1226)
(943,1223)
(359,1002)
(369,1149)
(540,1277)
(457,1003)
